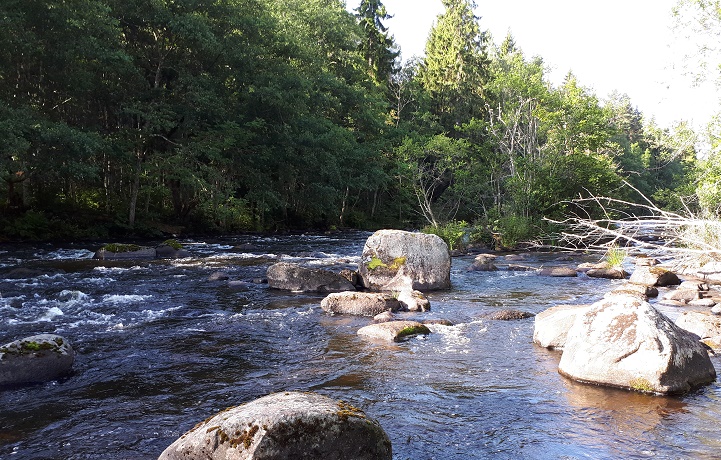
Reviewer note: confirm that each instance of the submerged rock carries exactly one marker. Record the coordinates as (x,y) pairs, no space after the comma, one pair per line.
(293,277)
(558,272)
(281,426)
(394,331)
(551,326)
(624,342)
(359,303)
(39,358)
(508,315)
(397,260)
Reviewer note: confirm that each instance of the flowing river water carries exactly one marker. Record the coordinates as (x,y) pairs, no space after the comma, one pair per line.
(161,347)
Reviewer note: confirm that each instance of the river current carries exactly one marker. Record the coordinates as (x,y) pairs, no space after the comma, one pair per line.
(160,346)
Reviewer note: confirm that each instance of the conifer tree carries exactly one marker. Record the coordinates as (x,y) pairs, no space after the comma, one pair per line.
(378,49)
(455,69)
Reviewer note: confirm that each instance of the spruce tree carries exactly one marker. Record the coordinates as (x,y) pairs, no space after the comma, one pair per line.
(377,47)
(455,69)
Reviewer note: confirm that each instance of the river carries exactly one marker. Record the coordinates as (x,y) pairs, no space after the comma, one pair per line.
(160,347)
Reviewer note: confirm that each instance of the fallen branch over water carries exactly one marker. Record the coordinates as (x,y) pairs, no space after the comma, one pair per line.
(649,228)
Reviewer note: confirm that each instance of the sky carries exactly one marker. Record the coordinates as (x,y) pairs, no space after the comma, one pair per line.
(626,46)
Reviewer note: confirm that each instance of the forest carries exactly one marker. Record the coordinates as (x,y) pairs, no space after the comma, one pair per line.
(136,118)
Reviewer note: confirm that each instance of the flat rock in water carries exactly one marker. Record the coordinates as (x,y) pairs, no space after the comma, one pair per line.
(437,322)
(551,326)
(640,291)
(39,358)
(559,272)
(396,260)
(359,303)
(682,295)
(654,276)
(508,315)
(586,266)
(520,268)
(393,331)
(281,426)
(139,253)
(624,342)
(607,273)
(292,277)
(702,324)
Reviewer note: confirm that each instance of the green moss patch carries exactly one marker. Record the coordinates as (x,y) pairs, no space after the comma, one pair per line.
(641,384)
(173,244)
(413,330)
(118,247)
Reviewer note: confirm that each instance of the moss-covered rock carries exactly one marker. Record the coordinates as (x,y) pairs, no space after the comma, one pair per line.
(302,426)
(38,358)
(395,260)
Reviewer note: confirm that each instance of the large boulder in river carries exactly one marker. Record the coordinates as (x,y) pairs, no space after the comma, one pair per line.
(397,260)
(39,358)
(359,303)
(551,326)
(281,426)
(293,277)
(624,342)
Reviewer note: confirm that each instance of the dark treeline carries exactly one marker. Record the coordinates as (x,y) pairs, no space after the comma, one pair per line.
(135,117)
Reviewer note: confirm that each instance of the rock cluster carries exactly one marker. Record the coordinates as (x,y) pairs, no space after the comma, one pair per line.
(623,341)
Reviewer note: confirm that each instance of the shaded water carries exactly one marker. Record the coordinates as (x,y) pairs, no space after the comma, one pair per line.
(160,348)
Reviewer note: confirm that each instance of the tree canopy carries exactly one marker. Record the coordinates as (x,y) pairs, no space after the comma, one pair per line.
(123,118)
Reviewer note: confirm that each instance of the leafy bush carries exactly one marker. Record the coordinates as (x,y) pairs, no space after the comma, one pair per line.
(511,231)
(454,233)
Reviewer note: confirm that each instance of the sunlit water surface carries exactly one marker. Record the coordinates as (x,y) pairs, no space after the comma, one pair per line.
(160,347)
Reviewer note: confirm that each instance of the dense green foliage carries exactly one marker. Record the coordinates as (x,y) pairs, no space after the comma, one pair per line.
(134,117)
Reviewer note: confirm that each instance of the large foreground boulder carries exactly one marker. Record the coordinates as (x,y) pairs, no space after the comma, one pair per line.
(551,326)
(624,342)
(397,260)
(359,303)
(39,358)
(281,426)
(293,277)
